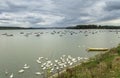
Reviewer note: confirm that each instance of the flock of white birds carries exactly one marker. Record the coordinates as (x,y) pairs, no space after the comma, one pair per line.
(51,67)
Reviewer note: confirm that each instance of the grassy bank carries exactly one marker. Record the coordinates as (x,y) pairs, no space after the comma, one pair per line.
(105,65)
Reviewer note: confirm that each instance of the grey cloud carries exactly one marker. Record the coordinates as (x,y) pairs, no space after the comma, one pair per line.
(5,19)
(31,20)
(110,16)
(34,20)
(111,11)
(112,5)
(12,7)
(71,10)
(70,21)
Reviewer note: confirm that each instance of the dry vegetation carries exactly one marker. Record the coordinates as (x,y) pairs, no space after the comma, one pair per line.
(105,65)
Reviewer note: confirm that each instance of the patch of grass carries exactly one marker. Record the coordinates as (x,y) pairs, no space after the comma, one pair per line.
(118,49)
(101,66)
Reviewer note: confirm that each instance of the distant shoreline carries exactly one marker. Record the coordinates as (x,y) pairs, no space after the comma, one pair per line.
(69,27)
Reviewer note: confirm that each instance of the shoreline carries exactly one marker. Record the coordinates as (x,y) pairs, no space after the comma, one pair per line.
(104,65)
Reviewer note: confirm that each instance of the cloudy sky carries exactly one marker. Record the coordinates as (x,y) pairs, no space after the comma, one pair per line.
(55,13)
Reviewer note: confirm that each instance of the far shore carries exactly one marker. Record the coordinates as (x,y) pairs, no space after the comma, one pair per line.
(61,27)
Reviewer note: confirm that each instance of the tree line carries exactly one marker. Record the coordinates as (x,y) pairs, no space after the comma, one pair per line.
(93,27)
(69,27)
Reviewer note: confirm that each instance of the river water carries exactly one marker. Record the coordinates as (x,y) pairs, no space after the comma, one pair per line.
(19,47)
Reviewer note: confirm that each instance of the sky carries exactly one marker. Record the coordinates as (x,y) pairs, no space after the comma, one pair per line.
(58,13)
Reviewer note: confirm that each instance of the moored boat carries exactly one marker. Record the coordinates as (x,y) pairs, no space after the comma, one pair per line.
(97,49)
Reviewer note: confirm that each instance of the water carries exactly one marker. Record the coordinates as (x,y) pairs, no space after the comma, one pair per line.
(20,49)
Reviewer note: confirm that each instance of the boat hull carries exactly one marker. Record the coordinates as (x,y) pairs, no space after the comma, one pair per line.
(97,49)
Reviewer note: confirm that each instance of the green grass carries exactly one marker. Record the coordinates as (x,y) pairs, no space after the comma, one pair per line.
(105,65)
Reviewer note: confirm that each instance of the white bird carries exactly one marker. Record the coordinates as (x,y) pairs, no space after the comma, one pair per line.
(44,68)
(71,64)
(38,61)
(26,66)
(56,61)
(21,71)
(38,73)
(11,76)
(52,69)
(49,62)
(55,65)
(40,58)
(79,58)
(44,64)
(57,68)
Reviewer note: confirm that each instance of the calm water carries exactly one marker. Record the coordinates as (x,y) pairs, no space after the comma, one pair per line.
(25,46)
